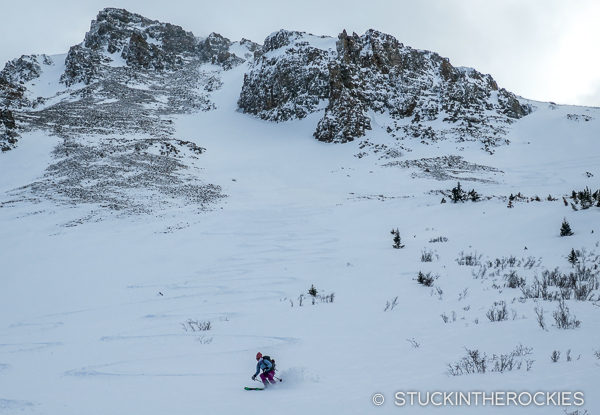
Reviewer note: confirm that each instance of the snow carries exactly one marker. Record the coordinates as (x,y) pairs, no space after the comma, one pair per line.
(48,83)
(240,50)
(85,328)
(116,60)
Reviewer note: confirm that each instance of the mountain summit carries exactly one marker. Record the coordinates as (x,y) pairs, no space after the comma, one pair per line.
(293,74)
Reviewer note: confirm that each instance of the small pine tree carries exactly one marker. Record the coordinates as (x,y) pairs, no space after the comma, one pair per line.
(397,239)
(457,194)
(565,229)
(312,291)
(573,257)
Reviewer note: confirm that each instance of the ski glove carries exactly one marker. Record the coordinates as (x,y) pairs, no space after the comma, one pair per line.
(253,377)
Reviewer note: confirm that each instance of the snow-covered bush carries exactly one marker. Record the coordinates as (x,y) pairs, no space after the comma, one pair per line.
(585,198)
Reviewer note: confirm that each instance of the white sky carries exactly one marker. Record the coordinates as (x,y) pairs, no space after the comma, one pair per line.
(540,49)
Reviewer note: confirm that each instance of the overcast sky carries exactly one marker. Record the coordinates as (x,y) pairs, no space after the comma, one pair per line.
(541,49)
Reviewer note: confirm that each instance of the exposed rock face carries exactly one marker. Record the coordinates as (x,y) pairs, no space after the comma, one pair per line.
(289,78)
(25,68)
(215,49)
(117,35)
(11,94)
(15,74)
(81,65)
(8,134)
(142,42)
(294,72)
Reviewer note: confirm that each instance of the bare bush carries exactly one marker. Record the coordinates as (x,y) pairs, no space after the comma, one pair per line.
(204,339)
(415,344)
(426,256)
(438,239)
(476,362)
(555,356)
(563,317)
(195,325)
(498,312)
(314,296)
(540,317)
(473,362)
(469,259)
(391,305)
(328,298)
(513,280)
(581,284)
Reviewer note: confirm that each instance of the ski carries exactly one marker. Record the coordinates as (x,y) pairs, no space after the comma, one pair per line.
(253,389)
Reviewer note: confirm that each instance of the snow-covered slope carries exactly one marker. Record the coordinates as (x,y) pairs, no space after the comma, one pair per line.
(110,265)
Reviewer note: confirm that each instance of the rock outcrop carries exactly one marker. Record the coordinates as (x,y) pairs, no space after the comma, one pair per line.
(16,74)
(288,79)
(8,133)
(295,74)
(120,38)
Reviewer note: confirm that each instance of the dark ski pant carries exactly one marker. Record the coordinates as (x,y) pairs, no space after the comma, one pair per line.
(267,375)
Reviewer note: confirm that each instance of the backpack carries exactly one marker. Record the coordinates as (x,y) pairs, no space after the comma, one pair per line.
(270,359)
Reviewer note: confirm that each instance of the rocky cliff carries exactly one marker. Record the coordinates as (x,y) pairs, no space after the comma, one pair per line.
(353,76)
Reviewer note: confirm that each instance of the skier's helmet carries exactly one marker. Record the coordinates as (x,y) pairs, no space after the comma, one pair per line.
(258,355)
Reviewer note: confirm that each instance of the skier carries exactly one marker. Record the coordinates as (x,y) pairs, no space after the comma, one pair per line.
(268,368)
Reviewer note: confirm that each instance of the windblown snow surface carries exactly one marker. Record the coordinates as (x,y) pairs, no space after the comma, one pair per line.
(103,316)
